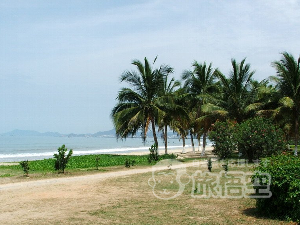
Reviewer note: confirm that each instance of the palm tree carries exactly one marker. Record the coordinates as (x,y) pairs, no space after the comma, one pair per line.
(237,90)
(200,85)
(288,73)
(138,106)
(181,126)
(180,121)
(168,104)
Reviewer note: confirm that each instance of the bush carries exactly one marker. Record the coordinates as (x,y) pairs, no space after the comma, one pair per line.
(62,159)
(222,135)
(285,187)
(129,163)
(25,167)
(258,137)
(209,164)
(153,156)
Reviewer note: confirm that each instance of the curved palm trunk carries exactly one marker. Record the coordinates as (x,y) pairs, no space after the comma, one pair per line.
(204,144)
(154,133)
(192,140)
(166,139)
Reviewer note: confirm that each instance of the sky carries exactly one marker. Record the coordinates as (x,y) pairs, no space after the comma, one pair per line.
(61,61)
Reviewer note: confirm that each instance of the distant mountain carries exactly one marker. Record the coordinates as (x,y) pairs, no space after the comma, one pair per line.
(109,133)
(30,133)
(27,133)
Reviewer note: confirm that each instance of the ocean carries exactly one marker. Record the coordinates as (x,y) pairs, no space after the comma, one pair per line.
(19,148)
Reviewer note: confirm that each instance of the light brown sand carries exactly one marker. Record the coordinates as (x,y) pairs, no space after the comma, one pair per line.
(60,200)
(170,151)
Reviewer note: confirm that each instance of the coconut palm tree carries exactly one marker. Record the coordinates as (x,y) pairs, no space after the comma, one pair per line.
(138,106)
(181,126)
(200,85)
(171,108)
(288,73)
(237,90)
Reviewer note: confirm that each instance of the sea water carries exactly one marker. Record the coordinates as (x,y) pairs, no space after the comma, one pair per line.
(18,148)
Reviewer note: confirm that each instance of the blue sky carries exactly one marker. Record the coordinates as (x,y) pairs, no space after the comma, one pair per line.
(60,61)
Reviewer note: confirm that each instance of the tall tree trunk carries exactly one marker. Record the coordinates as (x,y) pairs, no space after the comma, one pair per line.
(192,141)
(166,139)
(183,144)
(204,144)
(199,143)
(296,133)
(154,133)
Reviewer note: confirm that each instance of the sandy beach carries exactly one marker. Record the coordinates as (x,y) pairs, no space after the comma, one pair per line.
(58,200)
(170,151)
(64,200)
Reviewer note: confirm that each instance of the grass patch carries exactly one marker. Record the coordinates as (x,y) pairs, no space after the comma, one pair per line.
(77,164)
(5,175)
(136,204)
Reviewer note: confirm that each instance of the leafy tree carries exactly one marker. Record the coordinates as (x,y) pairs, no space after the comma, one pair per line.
(223,138)
(61,158)
(288,74)
(138,107)
(259,137)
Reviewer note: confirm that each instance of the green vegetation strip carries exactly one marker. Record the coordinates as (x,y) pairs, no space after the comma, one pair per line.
(85,162)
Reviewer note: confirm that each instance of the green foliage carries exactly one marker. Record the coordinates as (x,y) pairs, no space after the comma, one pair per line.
(259,137)
(153,156)
(97,162)
(25,167)
(61,158)
(138,106)
(222,135)
(105,160)
(209,164)
(237,90)
(167,156)
(5,175)
(225,166)
(129,163)
(285,187)
(254,138)
(83,162)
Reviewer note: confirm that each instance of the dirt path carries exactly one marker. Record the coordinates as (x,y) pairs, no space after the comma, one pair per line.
(61,199)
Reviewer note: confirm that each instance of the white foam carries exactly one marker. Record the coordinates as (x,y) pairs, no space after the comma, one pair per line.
(79,152)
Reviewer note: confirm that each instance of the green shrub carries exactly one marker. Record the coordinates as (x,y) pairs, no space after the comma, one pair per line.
(153,156)
(222,135)
(129,162)
(25,167)
(285,187)
(62,159)
(97,162)
(209,165)
(259,137)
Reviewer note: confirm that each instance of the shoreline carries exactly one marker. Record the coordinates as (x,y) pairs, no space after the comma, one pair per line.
(161,151)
